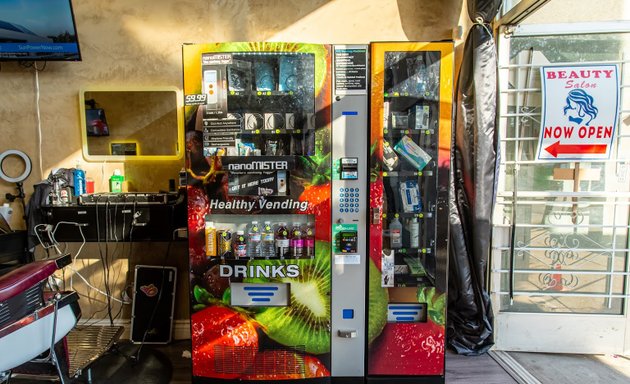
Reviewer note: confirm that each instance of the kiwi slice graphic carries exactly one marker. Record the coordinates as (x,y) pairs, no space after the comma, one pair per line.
(306,321)
(377,306)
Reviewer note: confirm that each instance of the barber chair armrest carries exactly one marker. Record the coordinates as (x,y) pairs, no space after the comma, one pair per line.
(24,277)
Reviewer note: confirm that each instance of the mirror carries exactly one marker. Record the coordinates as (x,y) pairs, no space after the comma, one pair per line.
(131,124)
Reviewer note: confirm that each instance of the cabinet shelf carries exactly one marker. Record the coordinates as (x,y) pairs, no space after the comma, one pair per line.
(408,132)
(393,95)
(263,93)
(419,215)
(273,131)
(412,251)
(425,172)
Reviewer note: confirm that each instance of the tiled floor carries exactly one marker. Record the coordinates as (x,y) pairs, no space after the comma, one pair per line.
(459,369)
(545,368)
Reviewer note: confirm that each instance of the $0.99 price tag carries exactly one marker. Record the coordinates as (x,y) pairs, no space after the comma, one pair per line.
(198,99)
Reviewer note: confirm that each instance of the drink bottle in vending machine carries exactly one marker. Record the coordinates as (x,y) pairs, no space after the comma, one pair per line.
(283,242)
(268,244)
(254,240)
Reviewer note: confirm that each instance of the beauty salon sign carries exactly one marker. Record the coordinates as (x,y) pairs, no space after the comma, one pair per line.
(579,114)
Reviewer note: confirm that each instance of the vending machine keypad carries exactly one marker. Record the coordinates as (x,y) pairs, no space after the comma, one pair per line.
(349,199)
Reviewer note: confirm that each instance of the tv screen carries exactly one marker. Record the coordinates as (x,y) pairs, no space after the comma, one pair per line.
(38,30)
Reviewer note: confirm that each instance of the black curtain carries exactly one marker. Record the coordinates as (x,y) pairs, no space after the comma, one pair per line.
(472,186)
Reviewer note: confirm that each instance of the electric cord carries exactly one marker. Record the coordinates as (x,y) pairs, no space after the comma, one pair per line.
(86,323)
(105,265)
(104,257)
(39,121)
(41,242)
(72,265)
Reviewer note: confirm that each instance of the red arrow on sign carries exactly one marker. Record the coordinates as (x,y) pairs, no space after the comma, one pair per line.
(556,149)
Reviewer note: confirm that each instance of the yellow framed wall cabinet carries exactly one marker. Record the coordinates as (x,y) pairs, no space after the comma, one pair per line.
(131,123)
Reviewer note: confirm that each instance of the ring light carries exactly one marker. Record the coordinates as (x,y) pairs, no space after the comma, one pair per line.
(27,166)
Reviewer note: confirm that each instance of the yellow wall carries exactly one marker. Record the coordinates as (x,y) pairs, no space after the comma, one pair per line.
(138,43)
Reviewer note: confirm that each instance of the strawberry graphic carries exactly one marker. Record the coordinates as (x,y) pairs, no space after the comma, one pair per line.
(376,200)
(413,348)
(408,349)
(318,197)
(224,342)
(376,229)
(198,208)
(316,184)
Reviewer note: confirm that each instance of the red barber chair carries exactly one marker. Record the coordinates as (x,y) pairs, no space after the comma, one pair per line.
(33,321)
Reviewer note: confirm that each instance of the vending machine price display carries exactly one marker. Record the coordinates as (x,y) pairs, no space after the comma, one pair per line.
(349,168)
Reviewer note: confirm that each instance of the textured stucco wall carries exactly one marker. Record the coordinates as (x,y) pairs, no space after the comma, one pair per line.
(138,43)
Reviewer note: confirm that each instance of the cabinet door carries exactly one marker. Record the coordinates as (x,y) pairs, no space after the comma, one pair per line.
(410,140)
(258,160)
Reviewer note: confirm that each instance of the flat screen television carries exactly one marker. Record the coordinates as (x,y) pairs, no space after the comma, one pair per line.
(38,30)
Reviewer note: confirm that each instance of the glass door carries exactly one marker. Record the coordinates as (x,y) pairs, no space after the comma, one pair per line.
(560,243)
(259,169)
(410,139)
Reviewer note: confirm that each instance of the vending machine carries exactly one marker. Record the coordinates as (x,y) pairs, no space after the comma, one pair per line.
(410,104)
(258,159)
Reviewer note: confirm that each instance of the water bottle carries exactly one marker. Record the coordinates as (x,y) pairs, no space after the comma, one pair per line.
(297,241)
(268,247)
(414,233)
(395,233)
(253,240)
(79,181)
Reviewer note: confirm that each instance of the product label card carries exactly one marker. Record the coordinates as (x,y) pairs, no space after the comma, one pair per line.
(196,99)
(232,121)
(211,143)
(351,70)
(214,87)
(263,184)
(347,259)
(344,238)
(216,59)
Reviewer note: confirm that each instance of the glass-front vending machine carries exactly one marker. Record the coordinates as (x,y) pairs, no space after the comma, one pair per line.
(258,143)
(410,103)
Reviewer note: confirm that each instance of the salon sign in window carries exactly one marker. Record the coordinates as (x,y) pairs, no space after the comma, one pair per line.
(580,105)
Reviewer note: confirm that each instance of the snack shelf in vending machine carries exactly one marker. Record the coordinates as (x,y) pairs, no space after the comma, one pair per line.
(410,102)
(258,141)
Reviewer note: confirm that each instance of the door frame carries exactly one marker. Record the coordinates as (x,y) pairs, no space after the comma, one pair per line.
(551,332)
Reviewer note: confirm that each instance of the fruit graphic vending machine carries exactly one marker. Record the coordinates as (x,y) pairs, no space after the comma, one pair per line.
(258,143)
(410,102)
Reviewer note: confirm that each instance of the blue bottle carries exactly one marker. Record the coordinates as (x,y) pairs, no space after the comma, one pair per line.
(79,181)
